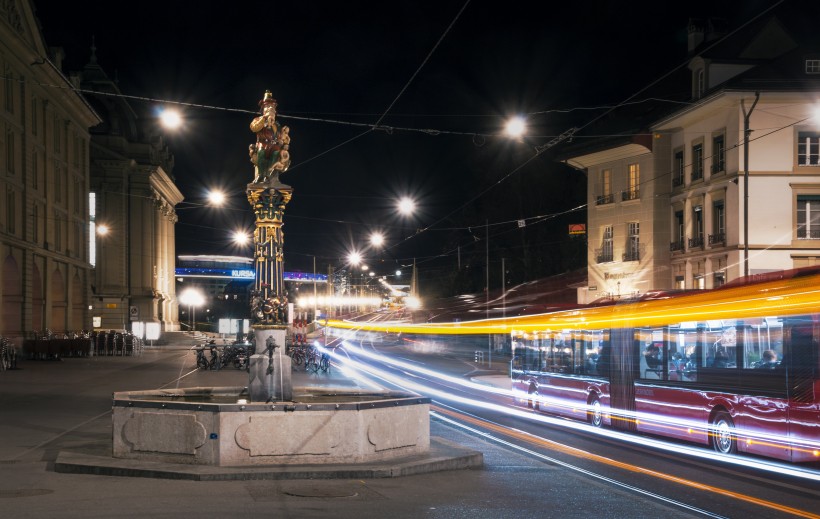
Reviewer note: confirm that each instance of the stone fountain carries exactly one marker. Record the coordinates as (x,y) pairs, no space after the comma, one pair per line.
(269,422)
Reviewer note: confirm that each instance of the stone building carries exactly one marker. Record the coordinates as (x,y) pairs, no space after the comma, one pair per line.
(133,195)
(666,200)
(44,182)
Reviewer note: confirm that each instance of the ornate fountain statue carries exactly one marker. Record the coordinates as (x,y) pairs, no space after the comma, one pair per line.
(268,197)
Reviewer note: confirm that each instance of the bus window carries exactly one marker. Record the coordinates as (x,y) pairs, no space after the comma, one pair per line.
(562,353)
(653,354)
(720,344)
(683,352)
(762,343)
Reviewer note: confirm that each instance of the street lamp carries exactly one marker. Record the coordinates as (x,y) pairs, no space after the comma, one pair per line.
(193,298)
(515,127)
(406,206)
(170,118)
(377,239)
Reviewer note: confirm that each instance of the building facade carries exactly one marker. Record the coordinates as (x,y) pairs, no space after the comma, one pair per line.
(667,205)
(44,182)
(134,197)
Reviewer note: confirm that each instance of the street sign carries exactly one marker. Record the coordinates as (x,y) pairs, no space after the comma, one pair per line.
(134,312)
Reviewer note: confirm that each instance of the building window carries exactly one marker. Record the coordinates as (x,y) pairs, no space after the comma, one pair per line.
(678,169)
(808,217)
(700,83)
(57,135)
(697,227)
(808,148)
(718,235)
(35,219)
(633,243)
(606,188)
(813,66)
(9,90)
(634,183)
(719,279)
(34,115)
(697,162)
(35,168)
(718,153)
(677,232)
(58,184)
(605,254)
(11,224)
(10,152)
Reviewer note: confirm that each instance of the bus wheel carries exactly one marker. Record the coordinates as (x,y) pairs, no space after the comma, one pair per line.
(723,434)
(595,415)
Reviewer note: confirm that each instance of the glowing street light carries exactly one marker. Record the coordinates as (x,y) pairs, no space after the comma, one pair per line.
(354,258)
(515,127)
(170,118)
(102,230)
(377,239)
(216,197)
(407,206)
(193,298)
(241,238)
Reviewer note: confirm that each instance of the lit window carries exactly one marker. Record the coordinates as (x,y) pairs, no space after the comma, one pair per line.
(813,66)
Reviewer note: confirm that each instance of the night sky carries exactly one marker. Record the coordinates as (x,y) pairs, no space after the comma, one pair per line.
(440,78)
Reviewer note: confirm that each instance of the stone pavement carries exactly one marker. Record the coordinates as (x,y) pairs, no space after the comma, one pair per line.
(51,411)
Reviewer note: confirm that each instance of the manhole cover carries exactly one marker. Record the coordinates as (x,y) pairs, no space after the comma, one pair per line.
(24,492)
(318,491)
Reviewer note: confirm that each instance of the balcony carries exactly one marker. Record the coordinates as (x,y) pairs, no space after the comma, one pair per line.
(808,234)
(632,256)
(632,194)
(697,173)
(676,246)
(603,255)
(605,199)
(696,242)
(677,181)
(717,239)
(719,167)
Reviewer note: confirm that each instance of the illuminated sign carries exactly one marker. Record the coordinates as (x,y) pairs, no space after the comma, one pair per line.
(243,274)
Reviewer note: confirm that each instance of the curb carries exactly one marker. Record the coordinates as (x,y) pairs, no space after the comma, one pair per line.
(443,455)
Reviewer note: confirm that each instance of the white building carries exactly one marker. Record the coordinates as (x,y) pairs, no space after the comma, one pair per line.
(666,205)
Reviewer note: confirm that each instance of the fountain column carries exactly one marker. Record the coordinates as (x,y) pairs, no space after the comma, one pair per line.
(270,368)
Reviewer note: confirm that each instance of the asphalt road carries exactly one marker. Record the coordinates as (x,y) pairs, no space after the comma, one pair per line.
(48,407)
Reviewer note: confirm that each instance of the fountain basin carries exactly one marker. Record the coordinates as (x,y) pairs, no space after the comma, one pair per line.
(218,426)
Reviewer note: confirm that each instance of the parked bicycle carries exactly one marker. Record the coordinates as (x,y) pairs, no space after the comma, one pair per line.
(204,361)
(297,355)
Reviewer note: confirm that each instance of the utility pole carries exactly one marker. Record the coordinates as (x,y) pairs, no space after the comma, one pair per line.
(746,133)
(487,291)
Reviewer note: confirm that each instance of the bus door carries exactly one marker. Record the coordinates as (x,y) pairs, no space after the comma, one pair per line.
(800,359)
(623,363)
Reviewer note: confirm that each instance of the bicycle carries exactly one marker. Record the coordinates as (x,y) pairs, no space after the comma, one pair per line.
(324,363)
(297,355)
(203,362)
(312,360)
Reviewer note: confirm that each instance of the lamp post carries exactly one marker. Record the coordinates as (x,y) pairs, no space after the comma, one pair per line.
(193,298)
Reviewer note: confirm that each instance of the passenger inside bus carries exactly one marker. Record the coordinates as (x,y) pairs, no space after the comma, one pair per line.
(654,363)
(769,360)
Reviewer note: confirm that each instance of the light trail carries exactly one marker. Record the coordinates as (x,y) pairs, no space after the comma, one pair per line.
(688,426)
(542,442)
(642,441)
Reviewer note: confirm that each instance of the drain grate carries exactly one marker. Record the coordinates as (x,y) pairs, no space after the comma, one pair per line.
(24,492)
(320,491)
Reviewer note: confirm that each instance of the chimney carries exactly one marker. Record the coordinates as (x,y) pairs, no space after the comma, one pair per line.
(695,31)
(57,55)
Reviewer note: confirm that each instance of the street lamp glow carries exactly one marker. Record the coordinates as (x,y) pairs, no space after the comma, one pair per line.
(407,206)
(515,127)
(398,273)
(192,297)
(241,238)
(354,258)
(170,118)
(102,230)
(377,239)
(216,198)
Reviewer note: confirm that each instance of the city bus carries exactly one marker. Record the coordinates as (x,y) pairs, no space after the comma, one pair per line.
(734,368)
